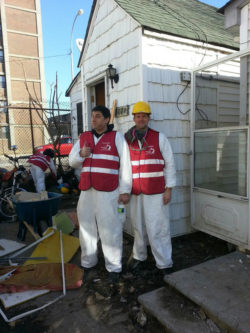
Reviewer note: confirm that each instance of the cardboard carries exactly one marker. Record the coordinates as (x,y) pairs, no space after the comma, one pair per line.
(9,246)
(10,300)
(50,248)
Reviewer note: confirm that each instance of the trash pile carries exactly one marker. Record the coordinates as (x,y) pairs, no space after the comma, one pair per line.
(42,267)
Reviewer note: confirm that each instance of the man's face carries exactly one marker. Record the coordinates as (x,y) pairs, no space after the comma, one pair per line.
(141,121)
(98,122)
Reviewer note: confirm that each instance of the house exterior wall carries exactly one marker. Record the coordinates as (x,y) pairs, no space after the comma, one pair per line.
(149,66)
(163,59)
(114,39)
(22,67)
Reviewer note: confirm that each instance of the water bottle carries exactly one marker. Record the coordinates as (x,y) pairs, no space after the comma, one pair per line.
(121,212)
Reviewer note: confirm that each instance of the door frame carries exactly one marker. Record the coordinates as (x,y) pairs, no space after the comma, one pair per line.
(193,189)
(90,84)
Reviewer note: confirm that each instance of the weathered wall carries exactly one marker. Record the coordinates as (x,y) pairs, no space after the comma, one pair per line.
(163,58)
(113,39)
(149,67)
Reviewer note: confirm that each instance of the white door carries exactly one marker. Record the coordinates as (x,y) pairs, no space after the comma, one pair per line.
(220,146)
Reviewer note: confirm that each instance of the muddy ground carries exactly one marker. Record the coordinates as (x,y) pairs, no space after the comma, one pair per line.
(100,307)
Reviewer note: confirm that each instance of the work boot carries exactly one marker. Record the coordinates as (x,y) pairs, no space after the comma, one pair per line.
(134,265)
(166,271)
(114,277)
(86,272)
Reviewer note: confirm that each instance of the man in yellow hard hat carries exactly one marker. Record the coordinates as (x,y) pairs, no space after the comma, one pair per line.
(154,177)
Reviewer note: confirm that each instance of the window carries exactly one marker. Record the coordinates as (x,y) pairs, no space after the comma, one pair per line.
(221,161)
(79,118)
(4,132)
(2,81)
(2,106)
(1,56)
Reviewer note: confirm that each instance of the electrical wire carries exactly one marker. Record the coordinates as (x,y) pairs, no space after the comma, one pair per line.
(201,112)
(179,17)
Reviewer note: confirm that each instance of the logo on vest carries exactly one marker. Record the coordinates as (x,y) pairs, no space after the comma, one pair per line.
(106,146)
(150,150)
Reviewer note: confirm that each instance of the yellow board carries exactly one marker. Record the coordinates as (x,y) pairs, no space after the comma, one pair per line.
(50,248)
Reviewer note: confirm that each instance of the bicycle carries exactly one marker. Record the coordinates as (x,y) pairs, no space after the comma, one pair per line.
(11,183)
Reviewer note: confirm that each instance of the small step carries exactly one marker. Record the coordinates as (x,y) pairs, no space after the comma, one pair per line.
(175,312)
(221,287)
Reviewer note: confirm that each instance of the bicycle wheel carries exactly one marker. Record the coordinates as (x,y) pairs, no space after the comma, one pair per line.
(7,210)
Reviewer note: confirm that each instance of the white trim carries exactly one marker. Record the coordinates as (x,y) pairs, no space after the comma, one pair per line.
(148,175)
(23,56)
(21,8)
(18,32)
(25,79)
(234,55)
(100,170)
(149,161)
(105,157)
(183,40)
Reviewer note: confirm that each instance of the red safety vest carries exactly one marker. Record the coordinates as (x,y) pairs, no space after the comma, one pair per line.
(147,165)
(101,169)
(40,160)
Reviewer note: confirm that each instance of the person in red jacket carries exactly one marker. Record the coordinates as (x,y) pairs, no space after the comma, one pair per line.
(153,173)
(105,181)
(39,163)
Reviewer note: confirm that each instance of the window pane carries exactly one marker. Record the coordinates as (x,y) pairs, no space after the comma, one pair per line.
(221,95)
(221,161)
(2,81)
(4,132)
(1,56)
(2,108)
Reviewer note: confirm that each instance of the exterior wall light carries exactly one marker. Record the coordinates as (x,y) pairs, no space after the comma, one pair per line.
(111,72)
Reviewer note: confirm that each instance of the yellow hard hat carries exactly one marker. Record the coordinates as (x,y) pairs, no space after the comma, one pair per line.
(141,107)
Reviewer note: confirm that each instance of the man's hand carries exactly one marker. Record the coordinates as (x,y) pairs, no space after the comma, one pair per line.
(167,195)
(124,198)
(85,151)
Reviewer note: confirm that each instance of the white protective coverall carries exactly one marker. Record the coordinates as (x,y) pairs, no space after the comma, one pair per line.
(98,215)
(150,217)
(38,175)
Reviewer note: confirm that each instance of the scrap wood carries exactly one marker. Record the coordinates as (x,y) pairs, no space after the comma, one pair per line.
(50,248)
(42,276)
(31,230)
(113,112)
(27,196)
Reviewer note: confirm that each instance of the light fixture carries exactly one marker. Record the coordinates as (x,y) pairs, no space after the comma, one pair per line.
(79,13)
(112,75)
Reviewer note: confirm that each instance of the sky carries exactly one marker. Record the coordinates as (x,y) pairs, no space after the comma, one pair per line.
(57,21)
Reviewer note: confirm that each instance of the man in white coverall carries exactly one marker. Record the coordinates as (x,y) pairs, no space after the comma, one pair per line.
(39,163)
(105,181)
(153,173)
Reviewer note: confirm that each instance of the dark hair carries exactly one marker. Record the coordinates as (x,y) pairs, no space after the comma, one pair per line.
(101,108)
(49,152)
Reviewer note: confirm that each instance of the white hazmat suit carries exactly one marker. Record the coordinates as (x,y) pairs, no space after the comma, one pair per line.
(150,217)
(97,212)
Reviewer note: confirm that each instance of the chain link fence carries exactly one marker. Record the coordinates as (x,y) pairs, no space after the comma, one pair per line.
(22,129)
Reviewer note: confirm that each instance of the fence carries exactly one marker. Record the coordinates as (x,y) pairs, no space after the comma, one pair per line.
(27,127)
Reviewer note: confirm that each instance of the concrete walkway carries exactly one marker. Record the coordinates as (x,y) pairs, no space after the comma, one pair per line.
(221,287)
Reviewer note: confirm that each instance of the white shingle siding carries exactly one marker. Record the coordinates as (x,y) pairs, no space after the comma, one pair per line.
(149,67)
